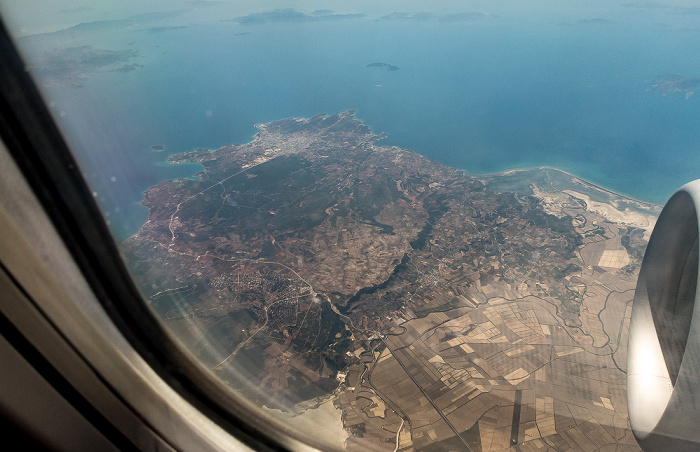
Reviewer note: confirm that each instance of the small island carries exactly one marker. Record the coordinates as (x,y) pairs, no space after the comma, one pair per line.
(670,84)
(389,67)
(157,147)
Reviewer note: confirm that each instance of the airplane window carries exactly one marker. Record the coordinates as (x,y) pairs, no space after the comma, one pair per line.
(393,225)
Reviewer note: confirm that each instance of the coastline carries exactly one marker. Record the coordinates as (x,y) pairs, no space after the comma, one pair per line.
(560,190)
(324,418)
(576,179)
(596,192)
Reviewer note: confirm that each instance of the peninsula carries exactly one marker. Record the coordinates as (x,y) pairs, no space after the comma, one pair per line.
(435,309)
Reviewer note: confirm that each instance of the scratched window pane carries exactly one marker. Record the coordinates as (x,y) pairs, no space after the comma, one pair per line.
(416,225)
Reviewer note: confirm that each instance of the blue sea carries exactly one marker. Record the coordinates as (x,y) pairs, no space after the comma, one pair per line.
(483,95)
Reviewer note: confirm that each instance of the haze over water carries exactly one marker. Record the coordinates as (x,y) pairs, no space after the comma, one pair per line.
(476,90)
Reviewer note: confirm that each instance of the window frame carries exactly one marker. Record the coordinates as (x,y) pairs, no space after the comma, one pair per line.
(36,145)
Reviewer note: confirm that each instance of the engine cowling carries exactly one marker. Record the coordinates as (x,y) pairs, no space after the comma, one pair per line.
(663,365)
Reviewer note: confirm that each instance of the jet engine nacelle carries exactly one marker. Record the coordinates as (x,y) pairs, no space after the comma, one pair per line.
(663,365)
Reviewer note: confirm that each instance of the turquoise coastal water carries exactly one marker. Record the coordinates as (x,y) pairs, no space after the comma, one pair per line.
(481,95)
